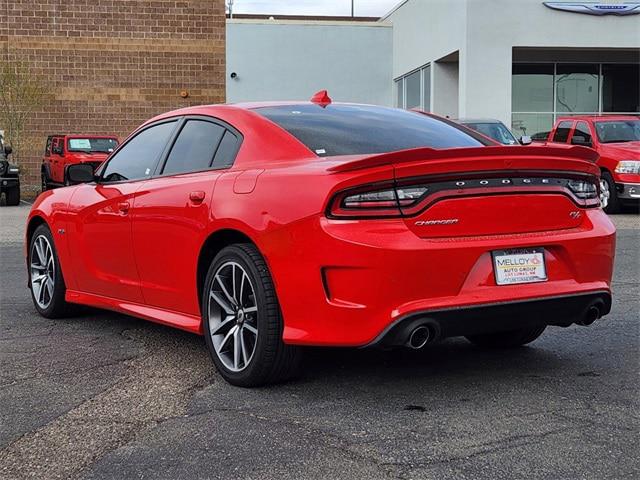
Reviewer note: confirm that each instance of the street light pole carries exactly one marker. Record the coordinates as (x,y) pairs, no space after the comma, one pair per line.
(230,3)
(352,9)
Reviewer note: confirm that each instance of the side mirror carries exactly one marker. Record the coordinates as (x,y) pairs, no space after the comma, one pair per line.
(57,150)
(580,140)
(525,140)
(79,173)
(8,150)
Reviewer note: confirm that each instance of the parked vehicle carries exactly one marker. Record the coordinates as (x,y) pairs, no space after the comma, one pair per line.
(617,139)
(64,150)
(9,175)
(270,226)
(496,130)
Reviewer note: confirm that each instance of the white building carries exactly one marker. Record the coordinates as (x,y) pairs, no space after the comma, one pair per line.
(292,59)
(519,61)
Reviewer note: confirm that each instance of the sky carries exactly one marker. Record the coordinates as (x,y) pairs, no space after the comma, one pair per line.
(363,8)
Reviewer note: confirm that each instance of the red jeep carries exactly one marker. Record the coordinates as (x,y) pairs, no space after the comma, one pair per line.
(617,139)
(64,150)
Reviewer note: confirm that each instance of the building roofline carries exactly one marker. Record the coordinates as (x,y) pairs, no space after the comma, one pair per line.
(393,10)
(278,17)
(305,21)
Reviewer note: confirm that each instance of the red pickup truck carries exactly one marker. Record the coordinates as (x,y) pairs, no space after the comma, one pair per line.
(64,150)
(617,139)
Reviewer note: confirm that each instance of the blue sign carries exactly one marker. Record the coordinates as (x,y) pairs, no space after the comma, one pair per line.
(596,8)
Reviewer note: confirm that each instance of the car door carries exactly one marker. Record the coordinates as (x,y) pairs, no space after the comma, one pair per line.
(57,159)
(582,135)
(100,228)
(46,158)
(171,212)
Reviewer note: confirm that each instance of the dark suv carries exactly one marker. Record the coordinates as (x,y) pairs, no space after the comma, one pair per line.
(9,176)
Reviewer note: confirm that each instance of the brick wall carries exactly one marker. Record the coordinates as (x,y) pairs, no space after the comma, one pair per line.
(111,64)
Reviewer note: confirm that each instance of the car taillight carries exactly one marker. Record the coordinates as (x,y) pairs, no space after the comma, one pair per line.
(390,198)
(583,189)
(375,202)
(409,197)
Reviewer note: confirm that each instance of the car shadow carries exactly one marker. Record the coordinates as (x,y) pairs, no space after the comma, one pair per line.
(328,368)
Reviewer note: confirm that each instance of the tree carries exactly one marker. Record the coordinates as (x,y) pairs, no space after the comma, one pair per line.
(21,93)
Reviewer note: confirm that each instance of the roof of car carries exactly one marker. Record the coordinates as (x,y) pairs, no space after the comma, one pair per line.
(83,135)
(600,117)
(477,120)
(234,109)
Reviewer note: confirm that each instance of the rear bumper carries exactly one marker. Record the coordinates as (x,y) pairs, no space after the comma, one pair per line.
(628,191)
(499,317)
(344,283)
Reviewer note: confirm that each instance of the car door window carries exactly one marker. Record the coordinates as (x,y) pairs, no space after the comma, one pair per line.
(562,132)
(194,148)
(227,150)
(137,158)
(47,149)
(57,146)
(582,129)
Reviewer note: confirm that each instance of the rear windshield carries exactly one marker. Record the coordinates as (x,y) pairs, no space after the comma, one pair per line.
(359,129)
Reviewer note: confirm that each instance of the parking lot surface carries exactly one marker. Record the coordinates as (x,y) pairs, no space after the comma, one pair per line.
(103,396)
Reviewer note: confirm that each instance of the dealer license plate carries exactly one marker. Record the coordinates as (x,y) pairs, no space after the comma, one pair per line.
(519,266)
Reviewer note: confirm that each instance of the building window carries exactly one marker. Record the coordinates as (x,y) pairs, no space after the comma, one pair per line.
(620,88)
(577,88)
(400,93)
(426,88)
(532,88)
(412,84)
(543,92)
(414,89)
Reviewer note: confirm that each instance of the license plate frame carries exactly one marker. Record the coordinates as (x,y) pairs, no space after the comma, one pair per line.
(518,266)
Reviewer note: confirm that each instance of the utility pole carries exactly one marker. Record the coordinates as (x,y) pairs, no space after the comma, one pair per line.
(352,8)
(230,3)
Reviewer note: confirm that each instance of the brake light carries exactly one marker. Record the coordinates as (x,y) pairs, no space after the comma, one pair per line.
(390,198)
(583,189)
(376,201)
(409,197)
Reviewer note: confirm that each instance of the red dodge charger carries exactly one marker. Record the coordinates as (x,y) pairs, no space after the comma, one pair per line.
(269,226)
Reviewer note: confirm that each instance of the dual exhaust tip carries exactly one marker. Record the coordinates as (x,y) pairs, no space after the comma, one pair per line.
(421,335)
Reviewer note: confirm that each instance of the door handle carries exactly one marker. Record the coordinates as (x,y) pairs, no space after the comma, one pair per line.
(196,197)
(123,207)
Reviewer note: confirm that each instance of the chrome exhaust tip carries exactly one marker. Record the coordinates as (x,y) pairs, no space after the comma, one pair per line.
(419,337)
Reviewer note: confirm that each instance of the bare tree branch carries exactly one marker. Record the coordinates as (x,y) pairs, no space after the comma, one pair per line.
(21,93)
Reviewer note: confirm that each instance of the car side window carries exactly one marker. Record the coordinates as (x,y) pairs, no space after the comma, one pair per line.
(47,149)
(562,132)
(195,147)
(227,150)
(138,157)
(582,129)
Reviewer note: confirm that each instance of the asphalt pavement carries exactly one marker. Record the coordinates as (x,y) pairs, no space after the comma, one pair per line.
(104,396)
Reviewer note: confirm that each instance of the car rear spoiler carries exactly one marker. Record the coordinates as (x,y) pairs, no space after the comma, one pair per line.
(427,154)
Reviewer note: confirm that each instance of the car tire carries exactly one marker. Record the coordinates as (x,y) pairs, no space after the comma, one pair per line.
(608,193)
(12,196)
(242,322)
(43,260)
(512,339)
